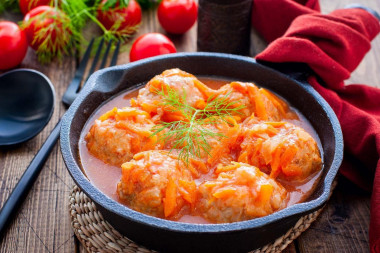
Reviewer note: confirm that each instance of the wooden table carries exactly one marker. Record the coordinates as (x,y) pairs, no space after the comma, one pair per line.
(43,224)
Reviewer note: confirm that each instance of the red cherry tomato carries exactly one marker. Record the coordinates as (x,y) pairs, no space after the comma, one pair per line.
(13,45)
(177,16)
(151,44)
(27,5)
(123,20)
(46,29)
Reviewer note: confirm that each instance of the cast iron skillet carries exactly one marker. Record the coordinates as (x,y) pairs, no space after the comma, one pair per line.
(169,236)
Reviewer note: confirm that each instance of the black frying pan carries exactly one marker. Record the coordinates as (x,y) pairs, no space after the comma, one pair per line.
(169,236)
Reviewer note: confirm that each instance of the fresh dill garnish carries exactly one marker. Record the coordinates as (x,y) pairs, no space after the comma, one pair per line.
(190,135)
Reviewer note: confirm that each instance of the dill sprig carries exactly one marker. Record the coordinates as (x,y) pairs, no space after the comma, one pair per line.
(114,3)
(191,136)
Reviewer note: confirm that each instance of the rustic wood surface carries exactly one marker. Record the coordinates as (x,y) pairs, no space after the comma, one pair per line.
(43,224)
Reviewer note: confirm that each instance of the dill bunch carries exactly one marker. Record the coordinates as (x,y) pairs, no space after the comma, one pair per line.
(191,136)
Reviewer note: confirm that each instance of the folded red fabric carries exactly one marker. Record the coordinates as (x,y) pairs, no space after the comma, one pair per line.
(333,46)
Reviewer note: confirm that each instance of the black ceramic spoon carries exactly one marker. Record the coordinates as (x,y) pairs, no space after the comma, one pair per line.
(26,105)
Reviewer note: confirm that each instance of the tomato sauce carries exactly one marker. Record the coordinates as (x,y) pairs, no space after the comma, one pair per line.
(106,177)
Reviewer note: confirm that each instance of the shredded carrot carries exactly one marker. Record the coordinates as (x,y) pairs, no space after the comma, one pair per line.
(199,165)
(230,136)
(150,108)
(126,172)
(155,85)
(206,91)
(133,102)
(170,201)
(109,114)
(128,112)
(276,123)
(288,155)
(241,87)
(139,156)
(292,170)
(188,190)
(200,104)
(171,116)
(224,192)
(243,157)
(260,107)
(231,167)
(276,162)
(266,191)
(276,103)
(128,126)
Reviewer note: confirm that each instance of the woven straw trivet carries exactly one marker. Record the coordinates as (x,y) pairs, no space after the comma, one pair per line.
(97,235)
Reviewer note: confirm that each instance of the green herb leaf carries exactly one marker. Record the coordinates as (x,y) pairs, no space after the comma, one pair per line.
(191,136)
(114,3)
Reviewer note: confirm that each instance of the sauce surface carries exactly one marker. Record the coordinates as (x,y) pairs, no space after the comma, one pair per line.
(106,177)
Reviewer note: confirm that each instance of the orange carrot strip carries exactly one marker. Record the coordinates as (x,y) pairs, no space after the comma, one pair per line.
(139,156)
(155,85)
(275,101)
(231,167)
(109,114)
(292,170)
(130,112)
(133,102)
(224,192)
(276,123)
(288,155)
(199,165)
(200,104)
(260,107)
(150,108)
(206,91)
(132,128)
(243,157)
(241,87)
(266,191)
(188,190)
(170,202)
(276,162)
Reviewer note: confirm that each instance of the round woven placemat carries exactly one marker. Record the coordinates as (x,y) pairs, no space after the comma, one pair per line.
(97,235)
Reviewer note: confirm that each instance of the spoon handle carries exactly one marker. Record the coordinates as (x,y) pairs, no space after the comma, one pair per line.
(27,180)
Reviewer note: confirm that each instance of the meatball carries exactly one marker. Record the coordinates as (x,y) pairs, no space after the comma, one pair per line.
(280,149)
(240,192)
(253,100)
(159,184)
(185,86)
(119,134)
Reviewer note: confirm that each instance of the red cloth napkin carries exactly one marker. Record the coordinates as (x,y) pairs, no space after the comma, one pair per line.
(333,46)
